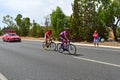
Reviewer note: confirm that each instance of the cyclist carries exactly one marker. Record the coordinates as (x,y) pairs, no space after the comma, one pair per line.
(63,36)
(48,35)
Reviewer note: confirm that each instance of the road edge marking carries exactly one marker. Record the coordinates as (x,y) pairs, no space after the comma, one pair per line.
(95,61)
(2,77)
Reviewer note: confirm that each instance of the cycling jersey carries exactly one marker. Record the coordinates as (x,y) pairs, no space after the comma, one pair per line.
(47,34)
(64,33)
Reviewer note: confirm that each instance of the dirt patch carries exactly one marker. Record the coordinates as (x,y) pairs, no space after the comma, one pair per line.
(31,38)
(117,44)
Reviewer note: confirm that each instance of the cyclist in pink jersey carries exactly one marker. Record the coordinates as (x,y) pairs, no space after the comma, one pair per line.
(64,34)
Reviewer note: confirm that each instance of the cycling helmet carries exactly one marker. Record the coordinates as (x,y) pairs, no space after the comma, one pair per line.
(67,29)
(49,30)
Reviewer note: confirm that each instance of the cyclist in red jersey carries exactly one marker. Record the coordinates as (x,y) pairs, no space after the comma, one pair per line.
(48,37)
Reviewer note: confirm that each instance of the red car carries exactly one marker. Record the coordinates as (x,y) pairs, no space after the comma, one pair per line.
(11,37)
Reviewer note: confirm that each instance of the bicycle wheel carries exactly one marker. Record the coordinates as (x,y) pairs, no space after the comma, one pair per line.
(52,46)
(43,44)
(59,47)
(72,49)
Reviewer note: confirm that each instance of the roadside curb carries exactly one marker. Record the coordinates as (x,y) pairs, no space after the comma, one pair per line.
(81,44)
(93,45)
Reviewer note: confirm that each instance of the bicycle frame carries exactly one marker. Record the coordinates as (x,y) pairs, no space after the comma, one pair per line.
(49,42)
(70,48)
(51,45)
(65,44)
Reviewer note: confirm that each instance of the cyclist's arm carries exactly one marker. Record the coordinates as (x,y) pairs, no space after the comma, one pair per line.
(50,36)
(69,37)
(66,38)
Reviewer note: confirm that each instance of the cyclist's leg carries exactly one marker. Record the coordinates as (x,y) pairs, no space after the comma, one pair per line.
(46,41)
(65,44)
(62,40)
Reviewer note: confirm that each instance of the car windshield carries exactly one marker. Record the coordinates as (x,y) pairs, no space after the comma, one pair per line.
(13,34)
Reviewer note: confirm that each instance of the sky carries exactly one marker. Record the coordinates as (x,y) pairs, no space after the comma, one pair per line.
(34,9)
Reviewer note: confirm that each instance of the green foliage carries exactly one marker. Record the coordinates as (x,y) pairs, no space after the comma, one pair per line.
(118,31)
(33,31)
(85,19)
(82,19)
(23,24)
(57,21)
(37,30)
(0,31)
(8,20)
(108,12)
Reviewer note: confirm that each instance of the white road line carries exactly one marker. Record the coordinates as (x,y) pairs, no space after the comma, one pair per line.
(109,50)
(2,77)
(101,62)
(99,45)
(101,49)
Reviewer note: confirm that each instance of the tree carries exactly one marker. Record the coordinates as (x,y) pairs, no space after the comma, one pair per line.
(118,32)
(76,20)
(0,31)
(36,30)
(18,20)
(26,26)
(33,31)
(83,19)
(47,21)
(57,20)
(116,8)
(23,24)
(8,20)
(108,14)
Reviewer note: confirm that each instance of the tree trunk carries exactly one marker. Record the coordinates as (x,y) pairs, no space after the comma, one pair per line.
(114,29)
(114,33)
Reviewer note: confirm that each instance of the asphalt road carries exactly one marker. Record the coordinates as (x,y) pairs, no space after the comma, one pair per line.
(29,61)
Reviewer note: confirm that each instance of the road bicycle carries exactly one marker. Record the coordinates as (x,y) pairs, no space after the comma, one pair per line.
(51,45)
(70,48)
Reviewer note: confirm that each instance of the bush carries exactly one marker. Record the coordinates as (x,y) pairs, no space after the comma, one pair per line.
(118,32)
